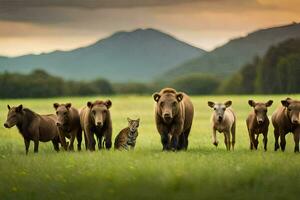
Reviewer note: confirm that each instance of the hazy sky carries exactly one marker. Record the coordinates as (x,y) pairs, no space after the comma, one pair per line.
(35,26)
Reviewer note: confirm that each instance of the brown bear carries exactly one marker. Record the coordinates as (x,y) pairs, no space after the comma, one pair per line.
(68,123)
(95,119)
(285,120)
(174,114)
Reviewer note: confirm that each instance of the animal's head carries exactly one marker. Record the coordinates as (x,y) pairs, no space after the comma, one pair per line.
(99,111)
(14,116)
(133,124)
(219,109)
(62,113)
(260,110)
(293,110)
(168,103)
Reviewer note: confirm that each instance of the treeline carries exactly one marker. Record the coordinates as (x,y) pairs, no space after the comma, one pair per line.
(277,72)
(41,84)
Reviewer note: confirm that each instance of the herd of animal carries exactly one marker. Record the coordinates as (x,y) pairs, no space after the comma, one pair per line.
(174,114)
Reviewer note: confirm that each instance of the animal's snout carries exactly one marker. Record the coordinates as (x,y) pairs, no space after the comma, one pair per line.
(58,124)
(167,116)
(99,124)
(260,121)
(220,118)
(295,121)
(6,125)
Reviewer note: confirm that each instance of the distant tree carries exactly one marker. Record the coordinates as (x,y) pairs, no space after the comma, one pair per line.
(196,84)
(242,82)
(133,88)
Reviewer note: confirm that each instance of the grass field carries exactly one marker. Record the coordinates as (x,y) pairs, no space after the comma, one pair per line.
(202,172)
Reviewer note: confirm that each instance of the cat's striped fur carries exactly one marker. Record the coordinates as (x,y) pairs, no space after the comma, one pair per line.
(127,137)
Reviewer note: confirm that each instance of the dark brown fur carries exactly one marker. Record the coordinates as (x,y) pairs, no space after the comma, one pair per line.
(285,120)
(174,116)
(33,126)
(68,123)
(95,119)
(258,123)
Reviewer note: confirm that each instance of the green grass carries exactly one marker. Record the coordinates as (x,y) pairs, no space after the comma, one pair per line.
(203,172)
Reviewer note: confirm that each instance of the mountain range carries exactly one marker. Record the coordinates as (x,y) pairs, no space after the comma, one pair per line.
(143,55)
(230,57)
(139,55)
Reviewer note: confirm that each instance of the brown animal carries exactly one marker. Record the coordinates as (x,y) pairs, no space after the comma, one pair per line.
(33,126)
(285,120)
(174,114)
(95,119)
(224,121)
(127,136)
(258,122)
(68,123)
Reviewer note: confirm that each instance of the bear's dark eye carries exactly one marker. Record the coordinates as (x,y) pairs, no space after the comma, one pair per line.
(174,103)
(215,108)
(289,109)
(56,112)
(65,113)
(162,104)
(94,112)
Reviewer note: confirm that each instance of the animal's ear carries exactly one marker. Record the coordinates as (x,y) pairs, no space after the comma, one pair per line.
(138,119)
(89,104)
(269,103)
(286,102)
(68,105)
(108,103)
(228,103)
(156,97)
(19,108)
(8,107)
(211,104)
(251,103)
(179,96)
(55,105)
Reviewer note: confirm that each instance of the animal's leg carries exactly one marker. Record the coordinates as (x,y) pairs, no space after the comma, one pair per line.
(214,138)
(233,136)
(27,144)
(79,139)
(63,141)
(91,141)
(86,142)
(55,144)
(164,141)
(71,145)
(265,140)
(186,138)
(108,142)
(36,146)
(181,141)
(256,141)
(174,142)
(227,140)
(296,139)
(282,141)
(276,136)
(251,138)
(99,138)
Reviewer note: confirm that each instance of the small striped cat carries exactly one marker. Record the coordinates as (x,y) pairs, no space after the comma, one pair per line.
(127,136)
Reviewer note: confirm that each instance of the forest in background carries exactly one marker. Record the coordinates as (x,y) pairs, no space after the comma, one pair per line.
(276,72)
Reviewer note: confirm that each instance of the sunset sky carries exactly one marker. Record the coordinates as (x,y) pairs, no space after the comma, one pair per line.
(35,26)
